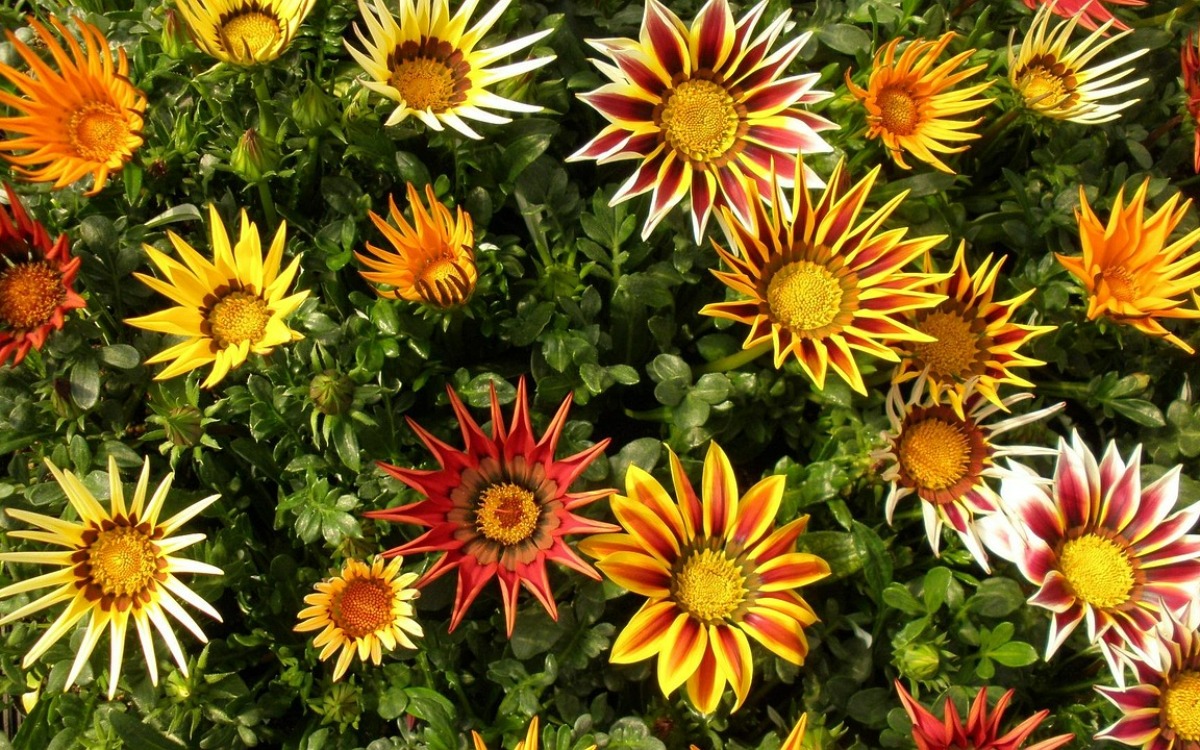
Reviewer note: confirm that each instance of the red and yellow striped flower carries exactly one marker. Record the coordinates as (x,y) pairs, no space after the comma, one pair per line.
(714,570)
(981,731)
(1092,13)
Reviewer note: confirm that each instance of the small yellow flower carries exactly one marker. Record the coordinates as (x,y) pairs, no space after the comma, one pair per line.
(244,32)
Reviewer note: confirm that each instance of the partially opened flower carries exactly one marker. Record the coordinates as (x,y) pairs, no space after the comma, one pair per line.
(1189,58)
(118,566)
(704,110)
(434,258)
(715,572)
(910,103)
(980,732)
(427,61)
(1130,270)
(946,458)
(1100,548)
(500,508)
(37,280)
(244,32)
(82,116)
(975,338)
(1091,13)
(820,283)
(366,609)
(226,308)
(1062,84)
(530,742)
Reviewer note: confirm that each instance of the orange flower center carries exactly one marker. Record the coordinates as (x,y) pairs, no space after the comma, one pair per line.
(247,35)
(1121,283)
(29,295)
(898,111)
(804,296)
(709,586)
(364,607)
(238,317)
(98,131)
(424,83)
(700,120)
(506,513)
(935,453)
(954,353)
(444,283)
(1181,705)
(1046,83)
(1098,569)
(123,561)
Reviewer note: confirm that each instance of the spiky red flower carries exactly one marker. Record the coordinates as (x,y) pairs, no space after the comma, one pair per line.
(1189,59)
(981,732)
(1092,13)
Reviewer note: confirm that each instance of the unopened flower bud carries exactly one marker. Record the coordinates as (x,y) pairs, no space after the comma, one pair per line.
(174,38)
(920,661)
(313,110)
(331,393)
(254,156)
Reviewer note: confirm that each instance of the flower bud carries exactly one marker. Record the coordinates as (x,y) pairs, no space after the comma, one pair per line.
(314,110)
(253,157)
(331,393)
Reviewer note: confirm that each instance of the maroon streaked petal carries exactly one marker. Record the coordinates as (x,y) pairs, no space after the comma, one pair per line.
(756,511)
(734,660)
(680,657)
(1158,499)
(643,636)
(1122,499)
(1134,698)
(773,97)
(713,35)
(1055,594)
(640,74)
(719,490)
(1167,532)
(706,685)
(638,573)
(640,520)
(733,192)
(1136,728)
(703,197)
(663,33)
(776,137)
(609,141)
(642,179)
(620,107)
(791,571)
(1061,627)
(673,181)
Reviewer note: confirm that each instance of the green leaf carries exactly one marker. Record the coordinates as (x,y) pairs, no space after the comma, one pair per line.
(137,733)
(643,453)
(898,596)
(870,706)
(182,212)
(996,597)
(85,383)
(120,356)
(1014,654)
(847,39)
(937,585)
(345,442)
(1138,410)
(525,151)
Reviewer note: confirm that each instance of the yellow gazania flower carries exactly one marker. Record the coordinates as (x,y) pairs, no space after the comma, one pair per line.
(908,105)
(820,285)
(85,118)
(428,63)
(434,260)
(227,308)
(1058,83)
(530,741)
(1129,271)
(118,566)
(244,32)
(365,610)
(975,340)
(714,570)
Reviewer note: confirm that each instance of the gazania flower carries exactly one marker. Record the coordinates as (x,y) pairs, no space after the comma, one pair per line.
(434,260)
(244,32)
(1092,13)
(1130,270)
(1058,83)
(704,110)
(909,106)
(821,285)
(1100,548)
(36,282)
(1189,58)
(227,308)
(365,610)
(981,732)
(118,566)
(529,743)
(428,64)
(975,340)
(714,570)
(499,508)
(83,118)
(945,458)
(1161,709)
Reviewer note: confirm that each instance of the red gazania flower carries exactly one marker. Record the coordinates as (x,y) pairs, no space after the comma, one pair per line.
(1189,58)
(36,280)
(1092,13)
(981,732)
(499,508)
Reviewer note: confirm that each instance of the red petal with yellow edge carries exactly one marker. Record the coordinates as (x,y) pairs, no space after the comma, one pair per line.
(706,684)
(645,490)
(689,504)
(638,573)
(781,541)
(756,511)
(734,660)
(791,571)
(720,493)
(607,544)
(782,635)
(686,642)
(645,635)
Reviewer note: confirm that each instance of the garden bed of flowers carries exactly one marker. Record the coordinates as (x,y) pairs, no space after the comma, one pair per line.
(627,375)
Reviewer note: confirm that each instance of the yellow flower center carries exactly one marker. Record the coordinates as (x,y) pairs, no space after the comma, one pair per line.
(935,453)
(953,355)
(238,317)
(709,586)
(98,132)
(444,283)
(1121,283)
(247,35)
(1098,569)
(1181,705)
(898,111)
(506,513)
(1046,83)
(364,607)
(424,83)
(123,561)
(29,295)
(699,120)
(804,296)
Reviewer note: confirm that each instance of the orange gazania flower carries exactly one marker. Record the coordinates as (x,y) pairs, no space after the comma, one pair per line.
(434,260)
(36,282)
(909,106)
(821,285)
(981,732)
(714,570)
(1189,58)
(84,118)
(499,508)
(1092,13)
(1130,271)
(704,110)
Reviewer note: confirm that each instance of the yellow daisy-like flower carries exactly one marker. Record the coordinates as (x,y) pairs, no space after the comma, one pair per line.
(1058,83)
(530,741)
(1129,269)
(365,610)
(85,118)
(227,308)
(975,340)
(909,106)
(434,260)
(821,285)
(244,32)
(427,62)
(118,566)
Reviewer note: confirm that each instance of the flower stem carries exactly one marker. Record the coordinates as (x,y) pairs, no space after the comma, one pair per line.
(268,202)
(735,360)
